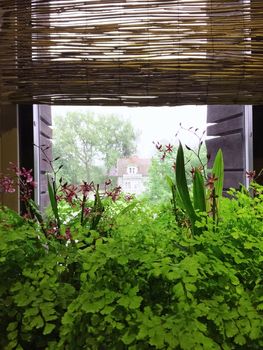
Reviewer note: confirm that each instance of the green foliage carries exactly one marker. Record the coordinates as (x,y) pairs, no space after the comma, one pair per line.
(52,198)
(199,191)
(218,173)
(157,188)
(136,282)
(182,188)
(90,145)
(35,285)
(205,201)
(106,274)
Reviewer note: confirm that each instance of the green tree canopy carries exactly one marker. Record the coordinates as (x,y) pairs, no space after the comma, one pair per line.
(89,145)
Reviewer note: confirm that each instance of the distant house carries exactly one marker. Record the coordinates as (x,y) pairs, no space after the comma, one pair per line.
(132,174)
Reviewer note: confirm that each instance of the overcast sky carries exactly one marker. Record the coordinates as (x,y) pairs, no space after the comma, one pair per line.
(153,123)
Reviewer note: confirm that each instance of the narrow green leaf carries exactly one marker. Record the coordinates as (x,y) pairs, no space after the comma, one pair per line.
(97,210)
(177,202)
(218,172)
(199,192)
(52,199)
(128,208)
(172,186)
(181,184)
(169,181)
(36,211)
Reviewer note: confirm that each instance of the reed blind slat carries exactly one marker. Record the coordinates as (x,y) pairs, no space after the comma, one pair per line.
(133,52)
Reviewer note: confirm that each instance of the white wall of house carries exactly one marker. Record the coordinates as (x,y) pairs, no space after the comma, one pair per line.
(132,183)
(132,174)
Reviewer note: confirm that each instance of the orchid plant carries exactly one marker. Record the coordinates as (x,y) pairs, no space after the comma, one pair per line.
(86,197)
(206,191)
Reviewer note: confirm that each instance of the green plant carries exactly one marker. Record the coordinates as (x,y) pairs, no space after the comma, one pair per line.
(142,287)
(88,211)
(162,166)
(136,280)
(37,284)
(207,192)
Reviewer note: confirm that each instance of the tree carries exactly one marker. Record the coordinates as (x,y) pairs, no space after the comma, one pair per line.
(89,145)
(119,140)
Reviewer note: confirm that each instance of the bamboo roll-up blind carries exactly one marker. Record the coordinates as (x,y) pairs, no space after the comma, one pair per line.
(133,52)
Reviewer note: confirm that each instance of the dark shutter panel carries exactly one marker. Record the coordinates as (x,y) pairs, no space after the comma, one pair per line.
(229,129)
(26,142)
(45,139)
(8,149)
(26,137)
(258,142)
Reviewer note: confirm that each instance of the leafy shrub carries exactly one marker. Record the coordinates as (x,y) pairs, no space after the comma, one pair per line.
(37,284)
(138,279)
(145,286)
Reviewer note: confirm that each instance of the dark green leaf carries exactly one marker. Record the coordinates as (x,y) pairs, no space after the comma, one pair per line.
(199,192)
(181,184)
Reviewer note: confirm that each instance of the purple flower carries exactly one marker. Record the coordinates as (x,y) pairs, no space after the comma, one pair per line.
(211,181)
(69,192)
(114,194)
(7,185)
(251,175)
(169,148)
(86,188)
